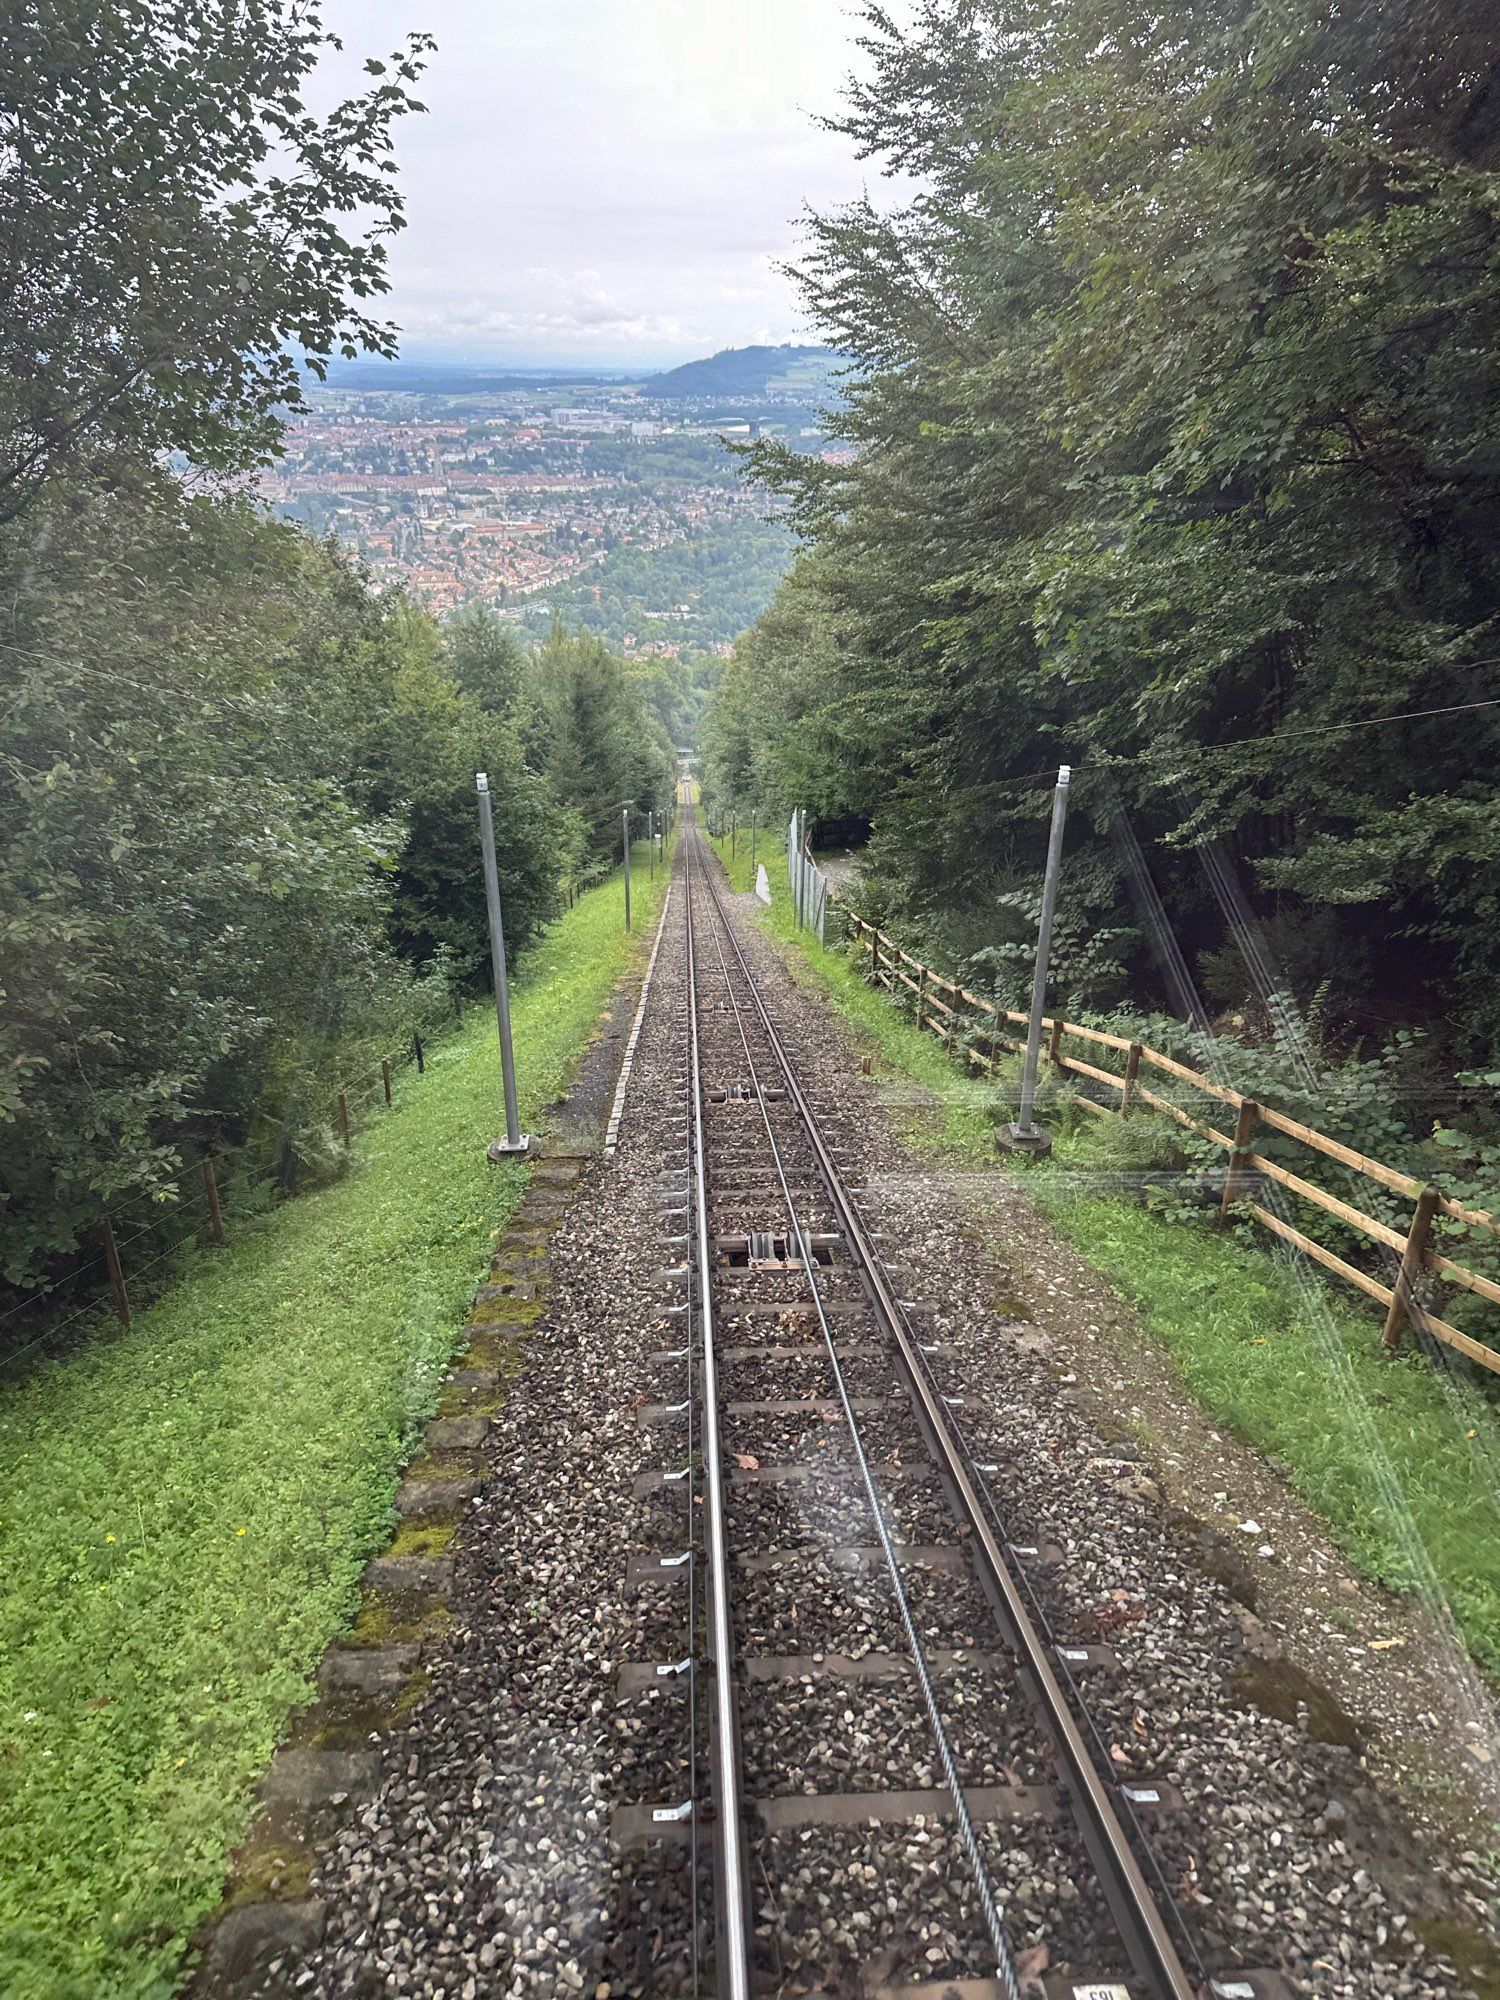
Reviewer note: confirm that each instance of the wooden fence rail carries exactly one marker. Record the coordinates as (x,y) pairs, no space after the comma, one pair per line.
(1413,1247)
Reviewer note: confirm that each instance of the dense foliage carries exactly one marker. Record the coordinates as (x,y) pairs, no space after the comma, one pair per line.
(585,725)
(236,818)
(1174,405)
(691,592)
(238,839)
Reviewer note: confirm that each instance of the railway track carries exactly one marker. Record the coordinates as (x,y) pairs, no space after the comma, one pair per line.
(886,1757)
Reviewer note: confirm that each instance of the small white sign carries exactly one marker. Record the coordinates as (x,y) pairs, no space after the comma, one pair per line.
(763,885)
(1110,1990)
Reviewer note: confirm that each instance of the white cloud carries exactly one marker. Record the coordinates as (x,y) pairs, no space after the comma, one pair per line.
(608,179)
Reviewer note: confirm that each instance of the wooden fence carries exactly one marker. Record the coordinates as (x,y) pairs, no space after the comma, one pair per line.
(982,1024)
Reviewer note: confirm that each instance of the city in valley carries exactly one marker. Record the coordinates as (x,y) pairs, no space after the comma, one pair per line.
(617,504)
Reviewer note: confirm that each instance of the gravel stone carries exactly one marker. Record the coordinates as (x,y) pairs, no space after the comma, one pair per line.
(487,1863)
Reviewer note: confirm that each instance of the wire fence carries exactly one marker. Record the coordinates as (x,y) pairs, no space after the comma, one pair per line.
(124,1256)
(806,880)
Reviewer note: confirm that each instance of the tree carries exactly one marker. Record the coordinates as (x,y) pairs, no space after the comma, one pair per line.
(237,817)
(1176,416)
(421,737)
(589,731)
(487,658)
(174,225)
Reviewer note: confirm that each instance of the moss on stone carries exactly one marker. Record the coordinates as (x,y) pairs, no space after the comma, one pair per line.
(396,1618)
(272,1867)
(428,1535)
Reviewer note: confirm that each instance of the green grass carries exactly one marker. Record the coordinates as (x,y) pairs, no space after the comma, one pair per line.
(768,845)
(1402,1462)
(185,1508)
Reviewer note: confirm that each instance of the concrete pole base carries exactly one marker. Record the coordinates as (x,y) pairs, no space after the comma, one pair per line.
(501,1148)
(1011,1139)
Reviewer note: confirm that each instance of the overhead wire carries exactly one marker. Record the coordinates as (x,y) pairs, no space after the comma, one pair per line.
(1103,762)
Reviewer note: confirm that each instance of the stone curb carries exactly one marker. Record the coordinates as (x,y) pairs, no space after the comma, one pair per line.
(371,1678)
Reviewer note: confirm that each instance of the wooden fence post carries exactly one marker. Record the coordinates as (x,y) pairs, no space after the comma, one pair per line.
(116,1274)
(1235,1172)
(1403,1305)
(995,1037)
(1054,1041)
(211,1191)
(921,982)
(874,954)
(344,1119)
(416,1047)
(385,1078)
(1132,1069)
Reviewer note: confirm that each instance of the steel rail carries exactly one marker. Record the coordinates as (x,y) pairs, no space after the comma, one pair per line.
(1143,1930)
(1005,1968)
(733,1916)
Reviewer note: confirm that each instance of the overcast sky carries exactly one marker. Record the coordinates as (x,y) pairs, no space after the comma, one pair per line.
(609,180)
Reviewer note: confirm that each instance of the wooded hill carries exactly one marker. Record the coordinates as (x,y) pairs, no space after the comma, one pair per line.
(745,371)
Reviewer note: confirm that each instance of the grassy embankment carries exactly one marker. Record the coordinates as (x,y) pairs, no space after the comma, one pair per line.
(185,1508)
(1291,1365)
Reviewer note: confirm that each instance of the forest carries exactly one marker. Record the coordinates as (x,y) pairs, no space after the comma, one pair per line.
(724,579)
(1175,413)
(744,371)
(238,838)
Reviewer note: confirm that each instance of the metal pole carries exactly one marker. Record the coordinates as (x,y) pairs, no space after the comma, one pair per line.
(651,840)
(116,1274)
(1024,1133)
(625,835)
(211,1189)
(515,1141)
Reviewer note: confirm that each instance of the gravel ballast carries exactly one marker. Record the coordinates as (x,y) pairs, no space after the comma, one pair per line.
(488,1862)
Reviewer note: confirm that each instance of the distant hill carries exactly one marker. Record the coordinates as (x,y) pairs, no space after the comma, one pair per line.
(746,371)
